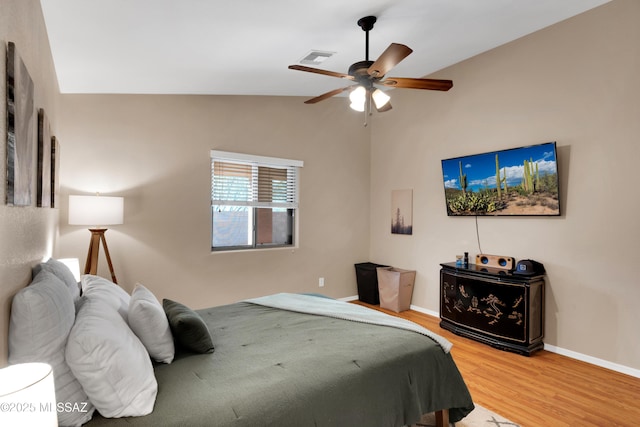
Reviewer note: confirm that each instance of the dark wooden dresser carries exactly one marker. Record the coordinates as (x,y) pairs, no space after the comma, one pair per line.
(493,306)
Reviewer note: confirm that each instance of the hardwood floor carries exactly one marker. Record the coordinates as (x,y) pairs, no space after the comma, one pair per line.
(546,389)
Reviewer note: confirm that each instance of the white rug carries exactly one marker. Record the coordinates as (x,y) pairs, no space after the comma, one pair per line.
(479,417)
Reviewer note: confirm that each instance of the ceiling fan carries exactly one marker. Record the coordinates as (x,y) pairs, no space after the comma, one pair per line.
(366,74)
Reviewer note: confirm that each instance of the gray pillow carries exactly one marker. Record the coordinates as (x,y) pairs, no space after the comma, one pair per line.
(62,272)
(42,314)
(187,327)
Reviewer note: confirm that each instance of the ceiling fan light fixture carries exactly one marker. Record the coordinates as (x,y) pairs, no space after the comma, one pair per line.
(380,98)
(357,107)
(368,74)
(358,97)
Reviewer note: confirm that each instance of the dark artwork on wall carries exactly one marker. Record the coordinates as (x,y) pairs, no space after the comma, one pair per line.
(55,167)
(20,130)
(518,181)
(402,212)
(43,184)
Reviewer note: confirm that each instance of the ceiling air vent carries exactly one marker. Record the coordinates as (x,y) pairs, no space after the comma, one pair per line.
(316,57)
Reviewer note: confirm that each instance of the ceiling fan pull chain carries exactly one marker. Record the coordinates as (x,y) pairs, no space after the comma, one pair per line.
(367,109)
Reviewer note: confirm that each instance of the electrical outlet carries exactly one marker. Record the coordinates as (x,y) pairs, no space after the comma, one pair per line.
(321,282)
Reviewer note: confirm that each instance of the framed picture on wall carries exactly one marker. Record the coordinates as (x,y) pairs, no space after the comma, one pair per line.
(55,170)
(43,183)
(20,130)
(402,212)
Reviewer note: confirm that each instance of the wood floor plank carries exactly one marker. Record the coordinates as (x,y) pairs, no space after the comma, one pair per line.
(546,389)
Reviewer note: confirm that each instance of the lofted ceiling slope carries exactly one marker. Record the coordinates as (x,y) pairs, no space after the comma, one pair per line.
(243,47)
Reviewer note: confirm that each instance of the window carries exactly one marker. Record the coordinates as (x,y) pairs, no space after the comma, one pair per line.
(254,201)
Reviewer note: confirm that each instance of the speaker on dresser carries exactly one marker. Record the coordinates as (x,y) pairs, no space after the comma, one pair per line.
(496,261)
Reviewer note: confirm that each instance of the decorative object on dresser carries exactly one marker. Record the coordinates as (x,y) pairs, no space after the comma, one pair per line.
(96,211)
(497,261)
(529,267)
(493,306)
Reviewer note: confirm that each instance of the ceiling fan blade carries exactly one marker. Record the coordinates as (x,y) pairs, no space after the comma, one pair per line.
(319,71)
(409,83)
(327,95)
(389,59)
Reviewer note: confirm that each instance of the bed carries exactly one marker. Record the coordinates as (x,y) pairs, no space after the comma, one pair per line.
(283,360)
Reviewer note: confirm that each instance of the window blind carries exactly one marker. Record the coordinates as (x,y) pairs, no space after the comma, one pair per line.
(244,180)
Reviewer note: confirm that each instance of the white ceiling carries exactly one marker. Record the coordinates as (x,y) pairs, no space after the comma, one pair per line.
(243,47)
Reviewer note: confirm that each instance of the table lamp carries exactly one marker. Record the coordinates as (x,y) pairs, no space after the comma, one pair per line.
(28,395)
(96,211)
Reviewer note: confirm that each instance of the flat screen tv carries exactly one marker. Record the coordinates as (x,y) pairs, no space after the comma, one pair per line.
(517,181)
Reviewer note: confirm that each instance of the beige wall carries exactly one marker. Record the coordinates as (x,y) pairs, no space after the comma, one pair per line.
(575,83)
(27,234)
(154,151)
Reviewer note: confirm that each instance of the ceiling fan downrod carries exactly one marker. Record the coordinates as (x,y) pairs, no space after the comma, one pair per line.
(366,24)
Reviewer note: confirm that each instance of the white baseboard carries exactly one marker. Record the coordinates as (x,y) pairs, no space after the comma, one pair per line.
(552,348)
(425,311)
(594,360)
(351,298)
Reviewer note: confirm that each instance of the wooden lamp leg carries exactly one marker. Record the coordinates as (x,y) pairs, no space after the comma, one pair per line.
(91,266)
(106,252)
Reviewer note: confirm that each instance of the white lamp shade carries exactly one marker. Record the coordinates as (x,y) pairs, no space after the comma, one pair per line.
(72,264)
(96,210)
(358,97)
(27,395)
(380,98)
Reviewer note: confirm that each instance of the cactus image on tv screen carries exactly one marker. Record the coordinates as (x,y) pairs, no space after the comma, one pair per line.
(517,181)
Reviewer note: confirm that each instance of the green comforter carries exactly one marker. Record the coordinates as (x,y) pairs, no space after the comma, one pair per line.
(274,367)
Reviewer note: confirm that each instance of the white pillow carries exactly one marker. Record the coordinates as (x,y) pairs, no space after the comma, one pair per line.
(42,315)
(62,272)
(110,294)
(149,322)
(110,362)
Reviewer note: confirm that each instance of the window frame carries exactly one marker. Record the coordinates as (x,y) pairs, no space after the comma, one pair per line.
(253,205)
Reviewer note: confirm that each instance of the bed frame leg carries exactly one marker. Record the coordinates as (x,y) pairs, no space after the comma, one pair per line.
(442,418)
